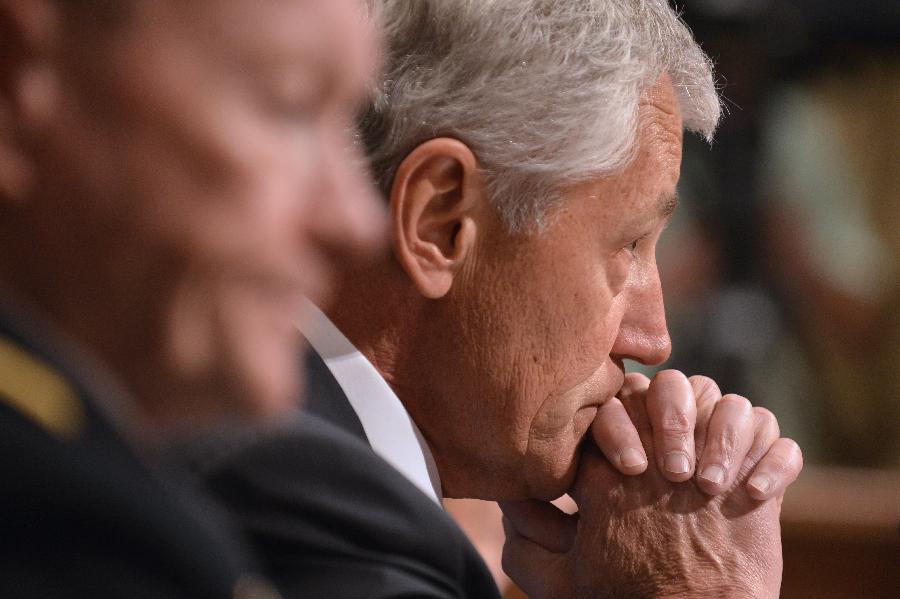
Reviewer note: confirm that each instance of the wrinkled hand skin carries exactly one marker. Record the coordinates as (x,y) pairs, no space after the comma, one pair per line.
(647,536)
(643,536)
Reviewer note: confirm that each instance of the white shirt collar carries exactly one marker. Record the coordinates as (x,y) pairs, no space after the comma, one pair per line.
(391,432)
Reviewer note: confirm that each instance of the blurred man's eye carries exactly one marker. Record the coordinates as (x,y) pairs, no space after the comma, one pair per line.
(293,112)
(292,95)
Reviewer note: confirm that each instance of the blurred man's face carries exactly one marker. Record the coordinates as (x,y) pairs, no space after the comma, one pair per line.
(202,146)
(536,333)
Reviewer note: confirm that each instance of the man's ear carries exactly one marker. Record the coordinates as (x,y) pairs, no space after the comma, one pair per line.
(437,203)
(28,31)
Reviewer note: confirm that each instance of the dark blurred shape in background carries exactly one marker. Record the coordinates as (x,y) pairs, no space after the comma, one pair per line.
(782,270)
(781,274)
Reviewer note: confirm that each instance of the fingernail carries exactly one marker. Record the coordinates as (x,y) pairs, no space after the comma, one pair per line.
(761,483)
(632,458)
(677,463)
(714,474)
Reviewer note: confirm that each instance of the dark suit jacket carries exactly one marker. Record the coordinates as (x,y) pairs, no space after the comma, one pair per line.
(82,514)
(333,520)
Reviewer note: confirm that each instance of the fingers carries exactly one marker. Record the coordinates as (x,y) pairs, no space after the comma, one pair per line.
(541,523)
(618,439)
(672,411)
(772,463)
(706,395)
(766,433)
(688,416)
(633,395)
(635,384)
(776,471)
(729,436)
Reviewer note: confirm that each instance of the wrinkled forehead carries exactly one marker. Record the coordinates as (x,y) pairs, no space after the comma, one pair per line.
(661,101)
(661,129)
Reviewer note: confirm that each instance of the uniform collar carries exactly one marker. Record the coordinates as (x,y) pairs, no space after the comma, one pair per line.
(49,378)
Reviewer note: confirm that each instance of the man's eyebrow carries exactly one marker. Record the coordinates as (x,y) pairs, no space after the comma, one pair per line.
(668,202)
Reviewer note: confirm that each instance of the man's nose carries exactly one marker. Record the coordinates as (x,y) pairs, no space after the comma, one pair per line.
(643,335)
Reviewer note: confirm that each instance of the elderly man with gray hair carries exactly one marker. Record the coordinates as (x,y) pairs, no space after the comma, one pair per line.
(529,151)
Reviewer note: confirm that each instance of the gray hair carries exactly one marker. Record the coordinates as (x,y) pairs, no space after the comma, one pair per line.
(544,92)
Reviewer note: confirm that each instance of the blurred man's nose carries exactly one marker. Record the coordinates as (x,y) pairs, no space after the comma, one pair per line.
(350,219)
(643,335)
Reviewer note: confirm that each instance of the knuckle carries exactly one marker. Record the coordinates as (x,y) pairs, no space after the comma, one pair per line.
(704,387)
(669,374)
(722,447)
(636,380)
(676,425)
(763,414)
(669,390)
(726,440)
(765,420)
(794,453)
(739,403)
(783,458)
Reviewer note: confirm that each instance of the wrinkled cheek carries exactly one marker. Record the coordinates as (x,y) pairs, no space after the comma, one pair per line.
(586,342)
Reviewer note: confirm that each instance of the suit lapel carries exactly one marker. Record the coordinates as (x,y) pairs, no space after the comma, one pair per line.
(325,398)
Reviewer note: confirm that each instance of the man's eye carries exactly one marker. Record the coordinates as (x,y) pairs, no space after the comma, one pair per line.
(633,246)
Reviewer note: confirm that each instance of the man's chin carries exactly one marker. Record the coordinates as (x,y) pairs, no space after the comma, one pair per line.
(265,375)
(272,394)
(255,392)
(558,480)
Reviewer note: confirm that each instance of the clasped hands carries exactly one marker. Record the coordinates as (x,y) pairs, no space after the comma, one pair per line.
(659,530)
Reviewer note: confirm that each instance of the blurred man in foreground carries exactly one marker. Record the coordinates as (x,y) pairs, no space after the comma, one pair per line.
(530,152)
(173,177)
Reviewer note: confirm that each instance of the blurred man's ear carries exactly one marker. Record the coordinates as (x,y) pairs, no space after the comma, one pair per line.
(28,33)
(437,205)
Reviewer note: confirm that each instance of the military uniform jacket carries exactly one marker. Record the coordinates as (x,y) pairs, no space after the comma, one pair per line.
(82,514)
